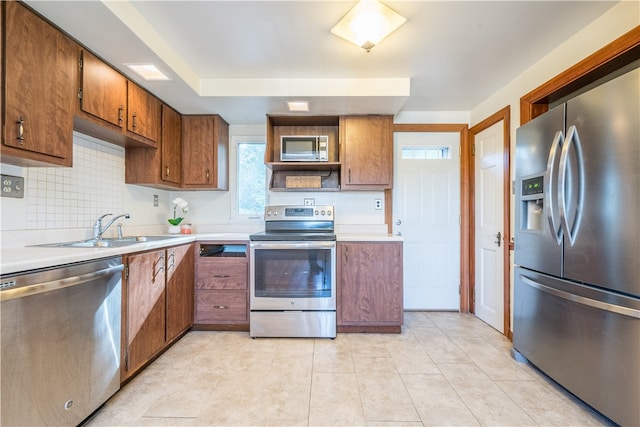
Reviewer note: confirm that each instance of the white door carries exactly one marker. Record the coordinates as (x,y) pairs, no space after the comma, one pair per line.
(489,276)
(426,211)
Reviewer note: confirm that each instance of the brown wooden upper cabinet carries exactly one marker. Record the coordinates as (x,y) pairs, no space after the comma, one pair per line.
(113,108)
(39,69)
(103,91)
(366,152)
(143,113)
(161,167)
(205,146)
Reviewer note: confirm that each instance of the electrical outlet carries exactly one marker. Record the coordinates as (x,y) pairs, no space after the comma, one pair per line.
(309,202)
(12,186)
(155,200)
(378,204)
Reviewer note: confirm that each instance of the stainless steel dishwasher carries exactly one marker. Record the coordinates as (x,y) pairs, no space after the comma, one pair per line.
(60,342)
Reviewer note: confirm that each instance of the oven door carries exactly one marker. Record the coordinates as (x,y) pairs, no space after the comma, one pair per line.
(293,275)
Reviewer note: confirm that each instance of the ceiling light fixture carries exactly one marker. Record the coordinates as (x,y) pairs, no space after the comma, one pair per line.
(367,23)
(148,72)
(298,105)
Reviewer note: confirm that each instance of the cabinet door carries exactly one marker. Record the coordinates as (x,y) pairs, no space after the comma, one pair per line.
(205,146)
(180,288)
(145,324)
(104,91)
(370,283)
(171,146)
(143,113)
(40,71)
(197,154)
(366,147)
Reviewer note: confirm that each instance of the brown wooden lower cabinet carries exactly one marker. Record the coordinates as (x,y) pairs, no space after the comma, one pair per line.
(222,293)
(157,303)
(369,276)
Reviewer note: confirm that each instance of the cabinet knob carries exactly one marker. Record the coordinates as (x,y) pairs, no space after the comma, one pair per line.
(398,221)
(397,233)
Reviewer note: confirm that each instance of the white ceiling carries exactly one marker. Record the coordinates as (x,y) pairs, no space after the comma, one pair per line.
(245,59)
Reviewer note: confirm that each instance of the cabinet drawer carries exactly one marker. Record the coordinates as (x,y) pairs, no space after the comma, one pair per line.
(215,275)
(216,306)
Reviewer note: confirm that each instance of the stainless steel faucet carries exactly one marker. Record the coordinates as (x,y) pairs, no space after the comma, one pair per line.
(98,229)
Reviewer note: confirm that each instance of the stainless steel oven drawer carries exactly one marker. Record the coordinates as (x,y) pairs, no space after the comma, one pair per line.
(295,324)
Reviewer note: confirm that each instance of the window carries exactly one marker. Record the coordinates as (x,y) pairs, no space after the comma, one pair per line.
(430,153)
(251,176)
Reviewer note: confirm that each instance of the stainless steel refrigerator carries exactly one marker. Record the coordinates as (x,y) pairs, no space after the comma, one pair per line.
(577,246)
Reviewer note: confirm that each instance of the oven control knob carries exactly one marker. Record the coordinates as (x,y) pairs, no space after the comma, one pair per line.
(329,213)
(322,212)
(317,212)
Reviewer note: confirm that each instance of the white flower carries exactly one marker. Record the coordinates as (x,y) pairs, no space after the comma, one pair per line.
(183,205)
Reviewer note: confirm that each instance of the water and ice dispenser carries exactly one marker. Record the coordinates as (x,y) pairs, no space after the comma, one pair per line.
(532,199)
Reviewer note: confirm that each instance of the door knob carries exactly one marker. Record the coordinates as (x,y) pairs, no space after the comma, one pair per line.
(398,221)
(498,239)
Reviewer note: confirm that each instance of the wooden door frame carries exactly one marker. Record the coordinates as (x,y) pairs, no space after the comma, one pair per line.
(465,197)
(620,52)
(503,115)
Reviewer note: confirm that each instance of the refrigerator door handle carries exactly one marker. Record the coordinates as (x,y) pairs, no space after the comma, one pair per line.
(550,190)
(601,305)
(572,140)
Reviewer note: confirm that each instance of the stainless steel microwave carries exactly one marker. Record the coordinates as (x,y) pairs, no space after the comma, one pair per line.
(297,148)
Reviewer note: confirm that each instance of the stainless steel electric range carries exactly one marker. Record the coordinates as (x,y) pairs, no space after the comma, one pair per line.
(293,273)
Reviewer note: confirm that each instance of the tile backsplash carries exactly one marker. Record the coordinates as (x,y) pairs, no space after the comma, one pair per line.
(75,197)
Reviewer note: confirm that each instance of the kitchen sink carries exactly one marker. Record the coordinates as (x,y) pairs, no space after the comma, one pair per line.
(113,242)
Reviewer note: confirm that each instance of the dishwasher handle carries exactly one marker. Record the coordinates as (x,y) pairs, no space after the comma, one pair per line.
(39,288)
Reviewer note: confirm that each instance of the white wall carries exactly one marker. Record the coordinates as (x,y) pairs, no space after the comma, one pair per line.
(617,21)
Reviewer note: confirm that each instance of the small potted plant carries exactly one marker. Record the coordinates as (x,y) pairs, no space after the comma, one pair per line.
(180,203)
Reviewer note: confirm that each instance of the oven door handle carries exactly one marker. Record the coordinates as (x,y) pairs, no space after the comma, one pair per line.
(293,245)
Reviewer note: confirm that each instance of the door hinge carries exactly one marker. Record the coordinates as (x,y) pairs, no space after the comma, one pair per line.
(126,360)
(473,149)
(80,63)
(126,272)
(80,94)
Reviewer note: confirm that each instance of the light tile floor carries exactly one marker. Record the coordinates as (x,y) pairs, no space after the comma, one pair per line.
(444,369)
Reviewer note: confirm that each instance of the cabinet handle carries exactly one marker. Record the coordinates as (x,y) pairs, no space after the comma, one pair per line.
(167,172)
(346,254)
(207,175)
(171,259)
(158,267)
(135,121)
(20,124)
(349,175)
(222,307)
(120,112)
(221,276)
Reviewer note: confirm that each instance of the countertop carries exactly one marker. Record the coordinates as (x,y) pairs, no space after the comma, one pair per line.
(19,259)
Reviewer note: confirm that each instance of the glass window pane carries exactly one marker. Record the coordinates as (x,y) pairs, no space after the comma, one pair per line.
(251,178)
(431,153)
